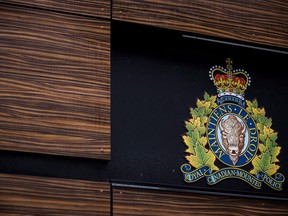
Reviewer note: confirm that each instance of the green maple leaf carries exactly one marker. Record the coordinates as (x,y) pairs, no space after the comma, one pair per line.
(202,157)
(205,105)
(202,141)
(211,99)
(259,118)
(263,147)
(197,124)
(207,96)
(268,144)
(189,126)
(264,164)
(189,143)
(200,127)
(268,133)
(197,112)
(192,138)
(271,147)
(251,105)
(262,121)
(274,153)
(195,136)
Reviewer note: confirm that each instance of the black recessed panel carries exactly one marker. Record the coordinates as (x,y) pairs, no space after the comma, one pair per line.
(157,76)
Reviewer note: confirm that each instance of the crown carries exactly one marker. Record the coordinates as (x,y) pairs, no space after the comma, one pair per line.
(229,81)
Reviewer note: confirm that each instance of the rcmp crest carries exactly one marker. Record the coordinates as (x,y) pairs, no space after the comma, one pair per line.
(233,131)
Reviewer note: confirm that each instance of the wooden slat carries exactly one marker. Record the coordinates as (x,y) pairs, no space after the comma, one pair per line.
(263,22)
(54,83)
(27,195)
(131,201)
(97,8)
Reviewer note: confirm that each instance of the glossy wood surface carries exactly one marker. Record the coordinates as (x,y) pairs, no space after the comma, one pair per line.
(54,83)
(132,201)
(23,195)
(263,22)
(97,8)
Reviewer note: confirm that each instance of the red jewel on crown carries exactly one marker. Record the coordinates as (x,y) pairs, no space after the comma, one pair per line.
(228,81)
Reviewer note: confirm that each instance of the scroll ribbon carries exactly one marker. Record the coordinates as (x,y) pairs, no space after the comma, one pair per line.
(212,178)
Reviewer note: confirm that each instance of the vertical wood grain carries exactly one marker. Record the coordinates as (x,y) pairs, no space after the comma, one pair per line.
(54,83)
(263,22)
(97,8)
(132,201)
(24,195)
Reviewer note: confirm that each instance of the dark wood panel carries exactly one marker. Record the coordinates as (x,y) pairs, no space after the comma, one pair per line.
(132,201)
(54,83)
(263,22)
(27,195)
(98,8)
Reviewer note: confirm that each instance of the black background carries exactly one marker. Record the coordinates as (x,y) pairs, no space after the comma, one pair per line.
(157,75)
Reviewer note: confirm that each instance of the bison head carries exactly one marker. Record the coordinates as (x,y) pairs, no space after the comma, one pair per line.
(233,136)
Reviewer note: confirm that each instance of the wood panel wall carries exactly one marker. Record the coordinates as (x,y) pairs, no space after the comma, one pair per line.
(54,83)
(263,22)
(132,201)
(97,8)
(28,195)
(55,96)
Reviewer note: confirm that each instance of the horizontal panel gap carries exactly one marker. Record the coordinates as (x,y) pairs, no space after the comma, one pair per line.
(235,44)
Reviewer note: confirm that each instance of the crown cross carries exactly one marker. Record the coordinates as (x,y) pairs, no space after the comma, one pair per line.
(229,67)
